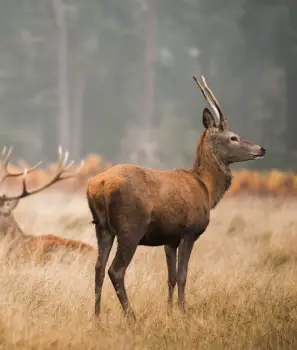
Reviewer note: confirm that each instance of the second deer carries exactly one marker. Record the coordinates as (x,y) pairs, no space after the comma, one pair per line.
(143,206)
(35,247)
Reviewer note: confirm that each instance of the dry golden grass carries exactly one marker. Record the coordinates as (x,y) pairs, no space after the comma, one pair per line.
(241,290)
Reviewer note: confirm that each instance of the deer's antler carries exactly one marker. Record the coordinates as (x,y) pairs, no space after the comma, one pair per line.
(213,102)
(222,119)
(61,174)
(5,156)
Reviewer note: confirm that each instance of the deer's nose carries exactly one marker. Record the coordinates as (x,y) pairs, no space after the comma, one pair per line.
(263,150)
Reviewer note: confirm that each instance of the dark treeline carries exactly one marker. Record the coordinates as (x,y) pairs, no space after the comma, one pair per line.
(115,77)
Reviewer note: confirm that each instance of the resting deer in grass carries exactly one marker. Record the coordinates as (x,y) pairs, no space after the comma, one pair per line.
(143,206)
(42,246)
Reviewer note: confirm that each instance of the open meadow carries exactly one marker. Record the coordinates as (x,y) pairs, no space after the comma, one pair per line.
(241,291)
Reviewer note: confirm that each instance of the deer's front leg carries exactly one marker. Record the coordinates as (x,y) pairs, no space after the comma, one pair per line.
(184,252)
(170,253)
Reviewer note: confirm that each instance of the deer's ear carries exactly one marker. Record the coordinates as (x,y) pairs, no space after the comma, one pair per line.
(208,119)
(10,204)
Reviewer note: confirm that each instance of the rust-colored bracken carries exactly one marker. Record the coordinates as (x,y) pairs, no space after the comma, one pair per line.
(142,206)
(272,182)
(44,246)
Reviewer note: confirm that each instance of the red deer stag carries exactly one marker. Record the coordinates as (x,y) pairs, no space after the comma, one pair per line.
(143,206)
(41,246)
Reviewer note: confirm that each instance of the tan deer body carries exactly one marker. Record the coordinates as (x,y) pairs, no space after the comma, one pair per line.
(142,206)
(154,193)
(26,245)
(29,246)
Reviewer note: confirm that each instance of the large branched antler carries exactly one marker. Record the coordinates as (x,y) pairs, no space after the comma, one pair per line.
(213,102)
(61,174)
(5,173)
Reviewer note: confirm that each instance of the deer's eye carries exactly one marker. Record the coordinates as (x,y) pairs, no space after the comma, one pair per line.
(234,139)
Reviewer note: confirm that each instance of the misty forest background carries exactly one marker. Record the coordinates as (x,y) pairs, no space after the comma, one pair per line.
(114,77)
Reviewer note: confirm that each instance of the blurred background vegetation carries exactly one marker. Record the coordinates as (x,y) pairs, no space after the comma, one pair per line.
(114,77)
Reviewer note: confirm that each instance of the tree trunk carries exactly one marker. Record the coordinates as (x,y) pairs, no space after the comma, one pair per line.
(64,115)
(291,82)
(77,113)
(149,65)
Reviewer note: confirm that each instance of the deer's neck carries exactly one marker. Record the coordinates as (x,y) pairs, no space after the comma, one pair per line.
(10,228)
(216,175)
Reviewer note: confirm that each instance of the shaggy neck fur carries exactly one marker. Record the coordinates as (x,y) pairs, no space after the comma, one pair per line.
(211,170)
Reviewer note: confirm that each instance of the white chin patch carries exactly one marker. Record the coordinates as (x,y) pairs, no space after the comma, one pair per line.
(258,157)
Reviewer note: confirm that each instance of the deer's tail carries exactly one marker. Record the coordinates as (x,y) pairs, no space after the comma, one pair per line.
(99,207)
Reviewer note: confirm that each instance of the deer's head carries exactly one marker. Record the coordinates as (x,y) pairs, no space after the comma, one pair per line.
(7,221)
(226,145)
(9,203)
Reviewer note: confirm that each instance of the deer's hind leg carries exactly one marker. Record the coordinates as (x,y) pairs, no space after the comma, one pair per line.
(130,228)
(105,240)
(124,254)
